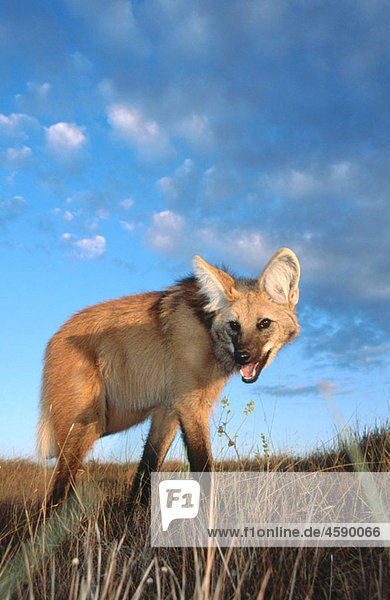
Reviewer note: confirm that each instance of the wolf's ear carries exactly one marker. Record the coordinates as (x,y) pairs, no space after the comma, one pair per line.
(216,285)
(280,278)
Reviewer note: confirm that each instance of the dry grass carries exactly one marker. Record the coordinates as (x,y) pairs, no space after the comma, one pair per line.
(94,550)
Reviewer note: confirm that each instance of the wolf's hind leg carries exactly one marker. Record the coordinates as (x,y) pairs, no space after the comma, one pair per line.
(78,420)
(71,453)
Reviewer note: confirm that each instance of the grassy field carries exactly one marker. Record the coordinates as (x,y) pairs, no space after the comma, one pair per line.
(93,549)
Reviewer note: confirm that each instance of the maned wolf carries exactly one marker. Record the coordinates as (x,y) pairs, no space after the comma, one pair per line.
(161,354)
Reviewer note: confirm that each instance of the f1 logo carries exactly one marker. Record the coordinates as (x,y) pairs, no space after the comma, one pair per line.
(179,499)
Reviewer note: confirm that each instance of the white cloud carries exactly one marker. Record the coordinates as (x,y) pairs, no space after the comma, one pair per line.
(35,97)
(65,138)
(81,62)
(85,248)
(16,125)
(102,213)
(252,248)
(197,131)
(340,171)
(167,186)
(67,237)
(11,208)
(113,22)
(170,233)
(223,185)
(92,202)
(91,247)
(304,185)
(126,203)
(132,126)
(16,158)
(13,154)
(238,247)
(165,232)
(181,188)
(68,216)
(128,225)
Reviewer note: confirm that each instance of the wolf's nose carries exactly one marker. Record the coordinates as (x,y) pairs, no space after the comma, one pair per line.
(242,357)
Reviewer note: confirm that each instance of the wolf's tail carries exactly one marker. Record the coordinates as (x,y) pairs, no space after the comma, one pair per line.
(46,446)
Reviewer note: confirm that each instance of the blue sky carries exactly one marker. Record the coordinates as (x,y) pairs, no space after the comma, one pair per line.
(134,135)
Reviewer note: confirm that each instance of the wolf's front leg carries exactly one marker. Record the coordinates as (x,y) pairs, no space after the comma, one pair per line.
(195,426)
(163,429)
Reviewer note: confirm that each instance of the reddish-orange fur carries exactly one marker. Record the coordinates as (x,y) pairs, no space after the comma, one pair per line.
(157,354)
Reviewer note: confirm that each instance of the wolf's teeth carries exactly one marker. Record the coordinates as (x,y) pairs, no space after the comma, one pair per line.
(252,373)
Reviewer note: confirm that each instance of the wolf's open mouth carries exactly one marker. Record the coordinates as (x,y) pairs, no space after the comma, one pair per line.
(250,373)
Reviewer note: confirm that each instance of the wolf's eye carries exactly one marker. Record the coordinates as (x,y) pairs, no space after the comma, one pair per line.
(264,324)
(235,325)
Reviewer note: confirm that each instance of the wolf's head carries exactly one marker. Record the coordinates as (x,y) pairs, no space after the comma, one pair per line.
(252,319)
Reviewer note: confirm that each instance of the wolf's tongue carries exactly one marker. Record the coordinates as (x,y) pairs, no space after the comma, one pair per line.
(248,371)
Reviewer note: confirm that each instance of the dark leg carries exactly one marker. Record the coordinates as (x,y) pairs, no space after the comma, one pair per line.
(196,434)
(163,429)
